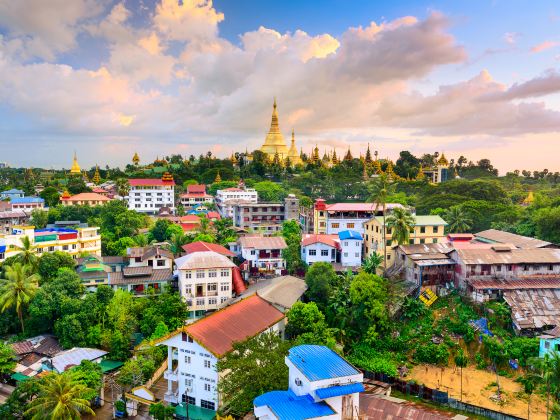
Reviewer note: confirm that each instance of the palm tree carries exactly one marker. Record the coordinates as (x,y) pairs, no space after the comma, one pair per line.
(177,241)
(26,252)
(380,189)
(123,187)
(372,262)
(401,222)
(458,220)
(461,361)
(60,397)
(17,288)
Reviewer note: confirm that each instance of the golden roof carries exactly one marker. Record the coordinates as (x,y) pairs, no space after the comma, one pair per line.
(442,161)
(274,141)
(529,199)
(75,170)
(293,154)
(136,158)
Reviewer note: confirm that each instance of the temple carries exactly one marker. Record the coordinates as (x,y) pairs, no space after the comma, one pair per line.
(275,145)
(75,170)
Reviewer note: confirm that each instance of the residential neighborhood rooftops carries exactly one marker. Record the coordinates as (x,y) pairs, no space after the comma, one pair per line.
(201,246)
(319,362)
(283,291)
(204,259)
(437,248)
(244,319)
(524,242)
(263,242)
(534,308)
(131,275)
(46,345)
(346,235)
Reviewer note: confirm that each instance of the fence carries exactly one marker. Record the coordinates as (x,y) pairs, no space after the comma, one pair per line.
(440,397)
(157,374)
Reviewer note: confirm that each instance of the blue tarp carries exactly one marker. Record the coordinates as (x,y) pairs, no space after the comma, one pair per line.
(482,325)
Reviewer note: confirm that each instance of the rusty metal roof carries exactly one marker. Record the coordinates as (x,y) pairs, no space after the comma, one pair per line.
(263,242)
(242,320)
(521,283)
(523,242)
(144,275)
(202,260)
(534,308)
(439,248)
(513,256)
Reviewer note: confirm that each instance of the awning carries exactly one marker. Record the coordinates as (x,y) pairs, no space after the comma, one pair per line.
(19,377)
(195,412)
(338,390)
(110,365)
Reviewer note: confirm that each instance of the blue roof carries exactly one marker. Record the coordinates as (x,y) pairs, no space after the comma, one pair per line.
(349,234)
(338,390)
(320,362)
(23,200)
(288,406)
(13,191)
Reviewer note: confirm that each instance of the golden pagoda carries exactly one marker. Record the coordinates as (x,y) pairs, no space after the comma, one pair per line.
(136,159)
(334,158)
(167,177)
(65,195)
(530,199)
(96,177)
(348,156)
(274,141)
(315,155)
(75,170)
(218,178)
(442,161)
(368,155)
(293,154)
(420,175)
(85,176)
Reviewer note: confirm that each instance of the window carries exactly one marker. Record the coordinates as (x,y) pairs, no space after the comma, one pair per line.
(388,257)
(188,289)
(212,287)
(189,400)
(350,225)
(498,268)
(411,241)
(422,229)
(207,387)
(224,272)
(324,252)
(187,359)
(223,299)
(188,275)
(322,224)
(212,301)
(160,263)
(200,302)
(253,252)
(207,364)
(312,252)
(65,247)
(389,242)
(346,254)
(525,267)
(212,273)
(207,404)
(422,241)
(436,229)
(199,274)
(357,243)
(550,267)
(434,240)
(346,243)
(509,268)
(357,254)
(547,345)
(224,287)
(335,225)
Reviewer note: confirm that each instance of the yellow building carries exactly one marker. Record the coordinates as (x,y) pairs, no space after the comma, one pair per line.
(75,170)
(428,230)
(274,143)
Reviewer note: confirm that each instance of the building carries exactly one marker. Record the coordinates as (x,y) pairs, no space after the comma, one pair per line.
(149,195)
(75,169)
(73,357)
(333,218)
(9,219)
(437,173)
(549,342)
(428,229)
(27,203)
(282,292)
(201,246)
(342,250)
(206,280)
(274,144)
(196,194)
(262,255)
(194,350)
(83,199)
(32,354)
(10,194)
(227,198)
(494,236)
(94,270)
(148,269)
(321,385)
(265,218)
(533,310)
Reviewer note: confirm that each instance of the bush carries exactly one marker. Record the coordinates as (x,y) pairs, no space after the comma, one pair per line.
(364,357)
(480,361)
(432,353)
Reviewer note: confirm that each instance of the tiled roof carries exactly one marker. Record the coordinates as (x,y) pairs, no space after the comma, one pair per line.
(87,197)
(149,182)
(263,242)
(519,241)
(203,259)
(200,246)
(513,256)
(312,238)
(245,319)
(319,362)
(153,276)
(196,189)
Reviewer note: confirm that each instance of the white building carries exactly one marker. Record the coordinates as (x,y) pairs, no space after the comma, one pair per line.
(351,244)
(263,254)
(344,249)
(194,350)
(150,195)
(206,280)
(196,194)
(226,199)
(27,203)
(322,385)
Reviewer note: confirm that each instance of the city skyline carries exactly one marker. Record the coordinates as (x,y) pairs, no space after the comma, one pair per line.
(109,78)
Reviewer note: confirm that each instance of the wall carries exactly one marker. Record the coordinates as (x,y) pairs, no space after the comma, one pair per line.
(351,253)
(318,247)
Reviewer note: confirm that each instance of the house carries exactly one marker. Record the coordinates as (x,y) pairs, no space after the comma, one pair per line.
(94,270)
(265,218)
(227,198)
(73,357)
(9,219)
(193,350)
(282,292)
(196,194)
(494,236)
(11,194)
(351,244)
(32,354)
(262,254)
(322,385)
(342,250)
(27,203)
(427,229)
(201,246)
(150,195)
(332,218)
(533,310)
(549,342)
(206,280)
(84,199)
(148,269)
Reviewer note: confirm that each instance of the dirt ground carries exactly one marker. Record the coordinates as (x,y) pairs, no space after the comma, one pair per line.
(477,389)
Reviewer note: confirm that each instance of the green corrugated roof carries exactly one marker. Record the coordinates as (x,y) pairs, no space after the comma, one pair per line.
(195,412)
(19,377)
(422,220)
(110,365)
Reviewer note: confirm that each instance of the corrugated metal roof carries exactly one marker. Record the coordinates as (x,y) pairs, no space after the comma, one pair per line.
(320,362)
(74,357)
(365,207)
(263,242)
(338,390)
(247,318)
(204,259)
(420,220)
(514,256)
(154,276)
(529,283)
(283,291)
(312,238)
(288,406)
(200,246)
(534,308)
(439,248)
(345,235)
(524,242)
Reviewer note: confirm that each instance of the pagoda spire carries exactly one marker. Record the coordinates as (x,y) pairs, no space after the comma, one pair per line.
(136,159)
(368,155)
(75,170)
(218,178)
(96,177)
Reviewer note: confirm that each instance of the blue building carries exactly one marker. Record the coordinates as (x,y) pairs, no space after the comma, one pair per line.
(27,203)
(550,342)
(11,194)
(321,385)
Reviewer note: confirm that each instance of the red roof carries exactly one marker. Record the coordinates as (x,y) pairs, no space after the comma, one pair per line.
(330,240)
(189,218)
(366,207)
(148,182)
(199,189)
(213,215)
(201,246)
(244,319)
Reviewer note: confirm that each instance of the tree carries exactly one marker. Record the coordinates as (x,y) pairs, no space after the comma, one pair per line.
(371,263)
(319,279)
(380,189)
(368,299)
(307,324)
(89,374)
(17,289)
(51,197)
(162,412)
(401,222)
(7,359)
(529,382)
(457,219)
(547,224)
(123,186)
(461,361)
(159,230)
(254,366)
(177,241)
(50,262)
(60,397)
(269,191)
(168,308)
(39,218)
(26,253)
(225,233)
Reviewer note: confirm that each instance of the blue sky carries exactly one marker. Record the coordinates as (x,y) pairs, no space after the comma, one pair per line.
(107,78)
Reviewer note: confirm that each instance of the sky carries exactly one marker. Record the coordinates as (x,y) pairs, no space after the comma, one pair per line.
(106,78)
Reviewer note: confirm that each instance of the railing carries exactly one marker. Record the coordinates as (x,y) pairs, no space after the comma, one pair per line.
(171,375)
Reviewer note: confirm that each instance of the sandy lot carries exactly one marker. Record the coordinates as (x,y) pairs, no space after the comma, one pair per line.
(477,389)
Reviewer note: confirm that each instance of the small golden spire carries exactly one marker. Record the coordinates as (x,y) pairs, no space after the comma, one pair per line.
(167,177)
(136,159)
(96,177)
(218,178)
(65,195)
(75,170)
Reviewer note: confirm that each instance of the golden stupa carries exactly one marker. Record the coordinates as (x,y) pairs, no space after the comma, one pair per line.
(274,141)
(75,170)
(293,153)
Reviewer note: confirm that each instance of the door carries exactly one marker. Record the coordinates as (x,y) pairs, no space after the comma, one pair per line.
(347,407)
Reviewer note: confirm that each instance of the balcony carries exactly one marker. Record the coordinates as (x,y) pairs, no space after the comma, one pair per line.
(171,375)
(171,397)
